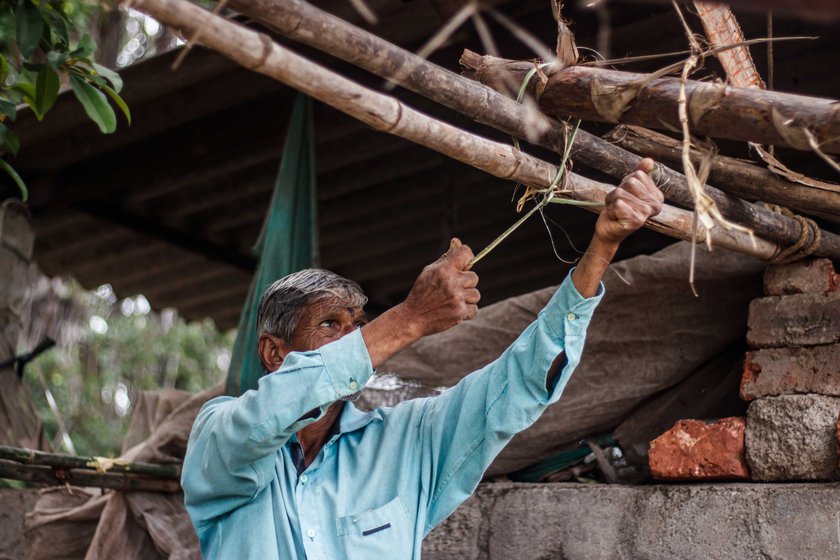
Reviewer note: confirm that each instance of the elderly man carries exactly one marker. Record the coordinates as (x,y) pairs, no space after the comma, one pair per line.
(293,471)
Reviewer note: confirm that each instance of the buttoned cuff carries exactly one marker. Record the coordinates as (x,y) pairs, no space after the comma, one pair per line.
(567,311)
(347,363)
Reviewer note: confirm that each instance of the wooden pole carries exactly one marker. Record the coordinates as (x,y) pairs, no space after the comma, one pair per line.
(305,23)
(715,109)
(57,476)
(821,11)
(736,176)
(257,52)
(102,464)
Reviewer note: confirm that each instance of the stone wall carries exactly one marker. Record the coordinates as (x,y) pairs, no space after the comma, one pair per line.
(505,521)
(736,521)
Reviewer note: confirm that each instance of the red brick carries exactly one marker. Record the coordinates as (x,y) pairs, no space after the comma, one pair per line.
(796,320)
(786,371)
(697,450)
(813,276)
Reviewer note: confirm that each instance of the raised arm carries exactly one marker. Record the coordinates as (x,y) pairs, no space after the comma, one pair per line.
(464,429)
(626,209)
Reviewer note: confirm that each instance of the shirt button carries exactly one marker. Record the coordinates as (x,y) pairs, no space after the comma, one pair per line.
(353,385)
(571,316)
(304,479)
(311,533)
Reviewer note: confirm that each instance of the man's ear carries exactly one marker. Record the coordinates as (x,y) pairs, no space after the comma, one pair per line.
(272,351)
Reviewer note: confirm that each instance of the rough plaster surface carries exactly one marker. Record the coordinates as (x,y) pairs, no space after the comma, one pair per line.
(793,437)
(504,521)
(14,504)
(738,521)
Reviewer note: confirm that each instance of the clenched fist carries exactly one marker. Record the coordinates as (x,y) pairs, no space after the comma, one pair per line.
(445,293)
(630,205)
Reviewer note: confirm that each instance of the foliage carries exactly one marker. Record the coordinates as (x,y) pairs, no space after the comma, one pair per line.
(42,47)
(124,348)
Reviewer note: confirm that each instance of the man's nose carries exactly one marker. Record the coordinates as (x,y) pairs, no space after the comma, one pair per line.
(347,328)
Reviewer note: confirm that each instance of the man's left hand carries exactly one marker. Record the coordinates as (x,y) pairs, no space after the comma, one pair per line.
(629,206)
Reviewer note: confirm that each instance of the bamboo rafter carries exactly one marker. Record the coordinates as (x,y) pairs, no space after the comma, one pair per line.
(300,21)
(259,53)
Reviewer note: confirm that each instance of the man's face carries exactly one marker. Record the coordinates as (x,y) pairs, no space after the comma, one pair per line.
(324,322)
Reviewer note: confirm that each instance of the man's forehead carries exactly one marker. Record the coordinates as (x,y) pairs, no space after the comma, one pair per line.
(332,306)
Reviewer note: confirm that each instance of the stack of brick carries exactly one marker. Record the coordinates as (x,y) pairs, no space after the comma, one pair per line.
(792,374)
(792,381)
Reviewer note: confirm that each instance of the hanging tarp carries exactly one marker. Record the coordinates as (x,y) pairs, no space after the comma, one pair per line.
(288,241)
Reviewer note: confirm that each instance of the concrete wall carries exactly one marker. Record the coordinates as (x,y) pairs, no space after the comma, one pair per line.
(693,522)
(507,521)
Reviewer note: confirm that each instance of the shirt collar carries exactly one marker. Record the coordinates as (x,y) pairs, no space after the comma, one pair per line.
(354,419)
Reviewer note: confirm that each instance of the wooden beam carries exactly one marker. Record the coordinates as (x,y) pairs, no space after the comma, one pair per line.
(258,52)
(193,102)
(391,237)
(452,205)
(143,82)
(197,205)
(716,110)
(187,241)
(403,163)
(116,254)
(207,306)
(300,21)
(395,199)
(822,11)
(56,476)
(199,291)
(734,175)
(179,274)
(191,302)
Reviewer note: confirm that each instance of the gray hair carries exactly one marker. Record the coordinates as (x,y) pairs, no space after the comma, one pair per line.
(282,303)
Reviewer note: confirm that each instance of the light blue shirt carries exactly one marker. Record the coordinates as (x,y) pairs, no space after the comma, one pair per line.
(380,484)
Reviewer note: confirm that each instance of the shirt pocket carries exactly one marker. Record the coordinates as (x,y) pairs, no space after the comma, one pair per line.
(383,532)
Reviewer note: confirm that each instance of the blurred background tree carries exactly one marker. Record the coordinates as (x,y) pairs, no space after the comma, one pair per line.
(109,350)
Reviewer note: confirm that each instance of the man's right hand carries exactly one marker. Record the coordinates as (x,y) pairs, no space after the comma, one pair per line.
(445,293)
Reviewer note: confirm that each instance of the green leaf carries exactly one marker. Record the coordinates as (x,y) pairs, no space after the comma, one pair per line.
(57,59)
(8,139)
(95,104)
(8,109)
(59,30)
(84,48)
(109,75)
(4,70)
(27,93)
(26,89)
(46,89)
(24,193)
(119,101)
(30,27)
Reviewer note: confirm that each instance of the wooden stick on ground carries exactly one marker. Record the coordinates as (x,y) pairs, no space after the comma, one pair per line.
(57,476)
(101,464)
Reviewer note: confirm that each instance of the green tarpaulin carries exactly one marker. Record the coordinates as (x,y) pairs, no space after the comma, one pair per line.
(288,241)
